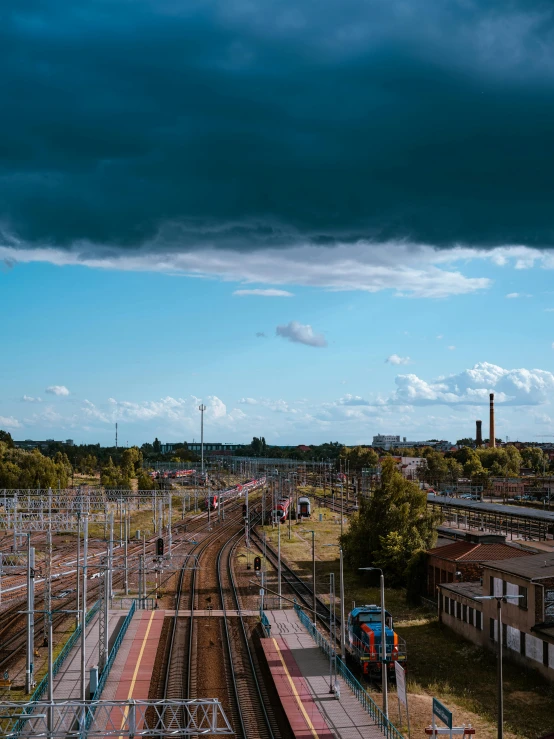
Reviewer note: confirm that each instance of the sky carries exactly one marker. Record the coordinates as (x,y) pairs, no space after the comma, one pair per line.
(323,220)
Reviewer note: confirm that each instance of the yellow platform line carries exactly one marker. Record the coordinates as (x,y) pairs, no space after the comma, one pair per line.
(295,692)
(135,673)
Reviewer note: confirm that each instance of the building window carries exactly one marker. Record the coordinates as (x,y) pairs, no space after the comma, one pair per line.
(523,601)
(479,620)
(504,635)
(471,615)
(545,653)
(491,585)
(464,612)
(522,643)
(458,609)
(491,629)
(504,587)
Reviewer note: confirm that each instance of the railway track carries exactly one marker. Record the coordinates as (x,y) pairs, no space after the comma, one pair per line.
(291,580)
(256,717)
(210,655)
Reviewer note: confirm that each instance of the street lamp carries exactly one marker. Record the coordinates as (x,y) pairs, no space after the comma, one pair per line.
(202,408)
(310,531)
(342,619)
(499,600)
(383,642)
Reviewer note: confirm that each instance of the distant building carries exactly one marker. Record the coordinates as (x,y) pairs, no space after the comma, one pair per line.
(196,447)
(394,442)
(410,467)
(527,623)
(385,442)
(31,444)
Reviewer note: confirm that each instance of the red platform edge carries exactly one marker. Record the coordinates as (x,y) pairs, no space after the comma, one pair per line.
(303,714)
(139,665)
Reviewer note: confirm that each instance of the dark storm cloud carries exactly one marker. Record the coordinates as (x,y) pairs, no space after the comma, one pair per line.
(247,124)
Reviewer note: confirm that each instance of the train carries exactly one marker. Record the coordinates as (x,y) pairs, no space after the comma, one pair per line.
(172,474)
(213,501)
(304,507)
(282,510)
(365,640)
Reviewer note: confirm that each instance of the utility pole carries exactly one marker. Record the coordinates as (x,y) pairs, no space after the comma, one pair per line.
(202,408)
(84,611)
(110,561)
(125,552)
(279,562)
(103,618)
(77,612)
(29,667)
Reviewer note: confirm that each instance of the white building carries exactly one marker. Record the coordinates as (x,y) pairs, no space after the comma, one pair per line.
(385,441)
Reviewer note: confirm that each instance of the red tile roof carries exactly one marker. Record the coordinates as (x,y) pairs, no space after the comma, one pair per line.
(465,551)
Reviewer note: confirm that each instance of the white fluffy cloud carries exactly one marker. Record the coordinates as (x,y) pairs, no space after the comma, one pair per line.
(30,399)
(9,422)
(513,296)
(265,293)
(59,390)
(396,359)
(301,334)
(518,387)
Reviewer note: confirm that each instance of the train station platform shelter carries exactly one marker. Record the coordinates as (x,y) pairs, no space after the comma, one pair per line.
(301,674)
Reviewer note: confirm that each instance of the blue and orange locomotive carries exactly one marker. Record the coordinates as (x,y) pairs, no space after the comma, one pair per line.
(365,637)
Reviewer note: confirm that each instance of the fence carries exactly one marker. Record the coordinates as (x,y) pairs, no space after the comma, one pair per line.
(389,730)
(109,663)
(58,662)
(265,623)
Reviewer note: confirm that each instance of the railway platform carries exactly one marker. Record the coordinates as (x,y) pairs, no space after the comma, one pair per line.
(67,683)
(301,675)
(133,666)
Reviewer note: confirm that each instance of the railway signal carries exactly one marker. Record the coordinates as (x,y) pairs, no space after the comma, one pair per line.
(160,547)
(257,564)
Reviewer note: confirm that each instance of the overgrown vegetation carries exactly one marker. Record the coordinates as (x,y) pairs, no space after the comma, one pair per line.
(391,528)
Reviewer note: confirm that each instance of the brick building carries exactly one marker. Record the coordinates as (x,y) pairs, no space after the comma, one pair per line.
(527,623)
(462,561)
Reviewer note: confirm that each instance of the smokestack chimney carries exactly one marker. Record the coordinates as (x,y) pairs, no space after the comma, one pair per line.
(478,433)
(492,437)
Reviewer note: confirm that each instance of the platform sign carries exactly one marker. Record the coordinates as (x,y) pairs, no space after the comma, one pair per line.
(442,713)
(401,683)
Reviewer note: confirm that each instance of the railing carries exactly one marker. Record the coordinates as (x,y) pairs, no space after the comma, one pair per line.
(145,604)
(58,662)
(109,663)
(265,623)
(369,705)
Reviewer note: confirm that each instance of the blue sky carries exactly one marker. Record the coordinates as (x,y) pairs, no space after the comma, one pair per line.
(143,347)
(377,185)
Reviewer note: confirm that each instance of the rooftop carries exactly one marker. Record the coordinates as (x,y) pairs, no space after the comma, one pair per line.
(535,567)
(467,589)
(504,510)
(466,551)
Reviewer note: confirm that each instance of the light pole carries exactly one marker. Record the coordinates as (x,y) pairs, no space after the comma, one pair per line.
(383,642)
(202,408)
(499,599)
(342,618)
(313,573)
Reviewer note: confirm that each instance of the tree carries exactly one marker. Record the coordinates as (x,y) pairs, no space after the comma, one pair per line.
(145,482)
(437,469)
(156,446)
(359,457)
(391,527)
(6,437)
(114,478)
(23,469)
(535,458)
(467,441)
